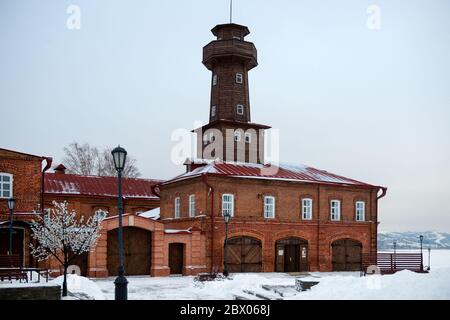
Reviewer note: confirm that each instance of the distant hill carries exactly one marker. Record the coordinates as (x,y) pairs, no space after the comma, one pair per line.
(410,240)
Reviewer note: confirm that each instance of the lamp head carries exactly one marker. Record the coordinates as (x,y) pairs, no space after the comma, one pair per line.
(119,156)
(11,203)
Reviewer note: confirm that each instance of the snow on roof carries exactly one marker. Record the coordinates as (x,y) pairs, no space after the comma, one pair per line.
(282,171)
(72,184)
(178,230)
(151,214)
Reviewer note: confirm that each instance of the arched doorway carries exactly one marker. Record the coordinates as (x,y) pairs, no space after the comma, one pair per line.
(291,255)
(346,255)
(244,254)
(176,257)
(17,242)
(136,251)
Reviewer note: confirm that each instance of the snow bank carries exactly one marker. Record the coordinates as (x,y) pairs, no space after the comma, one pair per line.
(403,285)
(81,285)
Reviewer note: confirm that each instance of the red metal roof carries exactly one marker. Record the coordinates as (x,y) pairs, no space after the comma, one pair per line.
(72,184)
(286,172)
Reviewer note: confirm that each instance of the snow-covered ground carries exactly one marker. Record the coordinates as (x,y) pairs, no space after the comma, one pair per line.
(332,285)
(341,285)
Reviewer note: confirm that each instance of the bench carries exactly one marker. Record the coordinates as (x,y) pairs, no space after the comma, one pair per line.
(389,263)
(10,268)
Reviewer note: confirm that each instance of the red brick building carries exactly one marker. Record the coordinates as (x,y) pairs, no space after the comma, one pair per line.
(284,218)
(147,243)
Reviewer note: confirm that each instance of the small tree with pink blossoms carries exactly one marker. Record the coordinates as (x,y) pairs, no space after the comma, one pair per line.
(60,235)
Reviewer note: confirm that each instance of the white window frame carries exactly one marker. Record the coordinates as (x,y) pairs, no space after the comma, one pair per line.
(237,136)
(177,208)
(248,137)
(213,111)
(240,107)
(214,80)
(335,215)
(239,78)
(360,212)
(307,207)
(228,205)
(192,205)
(11,185)
(269,208)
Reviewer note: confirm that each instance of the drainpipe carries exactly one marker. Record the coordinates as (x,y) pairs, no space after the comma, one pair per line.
(318,227)
(383,193)
(49,161)
(210,188)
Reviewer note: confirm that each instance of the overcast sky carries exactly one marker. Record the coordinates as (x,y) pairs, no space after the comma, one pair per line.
(369,104)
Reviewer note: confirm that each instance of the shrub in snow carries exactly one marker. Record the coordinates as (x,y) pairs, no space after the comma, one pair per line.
(60,235)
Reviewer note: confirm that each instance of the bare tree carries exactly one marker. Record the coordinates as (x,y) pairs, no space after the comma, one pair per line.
(60,235)
(81,159)
(86,160)
(108,169)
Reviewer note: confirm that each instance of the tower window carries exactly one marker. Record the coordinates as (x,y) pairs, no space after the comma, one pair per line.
(239,78)
(213,111)
(248,137)
(211,137)
(214,80)
(237,136)
(240,109)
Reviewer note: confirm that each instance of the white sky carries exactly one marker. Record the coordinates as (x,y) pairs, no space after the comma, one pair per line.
(370,105)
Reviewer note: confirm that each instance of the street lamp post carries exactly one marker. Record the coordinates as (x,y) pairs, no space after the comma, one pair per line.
(421,254)
(11,207)
(121,291)
(227,217)
(429,259)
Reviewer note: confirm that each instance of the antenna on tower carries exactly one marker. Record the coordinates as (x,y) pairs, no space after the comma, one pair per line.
(231,11)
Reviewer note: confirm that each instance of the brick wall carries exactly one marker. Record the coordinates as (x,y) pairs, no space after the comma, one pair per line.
(249,220)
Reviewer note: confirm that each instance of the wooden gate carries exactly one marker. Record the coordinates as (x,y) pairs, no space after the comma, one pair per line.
(346,255)
(176,253)
(291,255)
(244,254)
(136,249)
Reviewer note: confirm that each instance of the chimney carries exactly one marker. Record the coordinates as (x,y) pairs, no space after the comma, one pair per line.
(60,169)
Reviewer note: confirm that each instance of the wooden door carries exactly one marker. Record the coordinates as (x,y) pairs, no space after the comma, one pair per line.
(291,255)
(176,255)
(17,242)
(136,251)
(244,255)
(346,255)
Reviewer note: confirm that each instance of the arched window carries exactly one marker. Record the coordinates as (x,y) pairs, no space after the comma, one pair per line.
(6,185)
